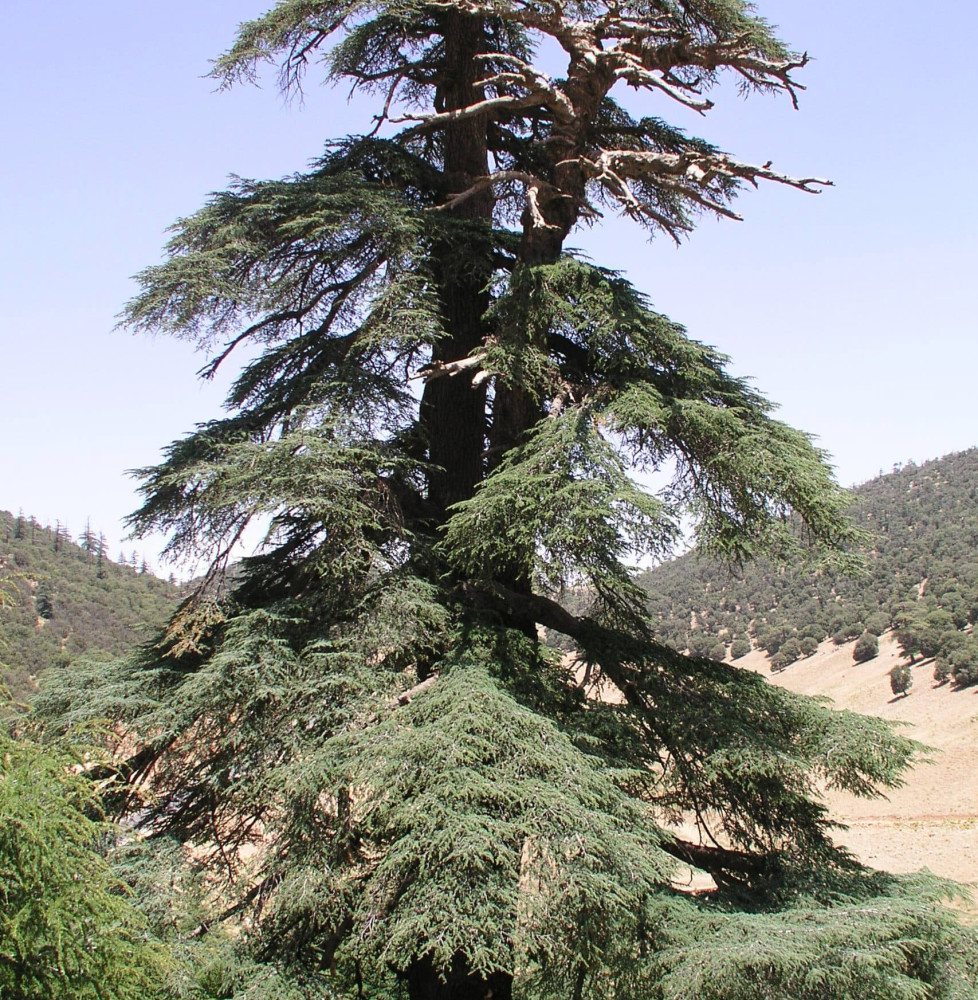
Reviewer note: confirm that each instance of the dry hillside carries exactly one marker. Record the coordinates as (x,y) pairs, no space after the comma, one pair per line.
(932,821)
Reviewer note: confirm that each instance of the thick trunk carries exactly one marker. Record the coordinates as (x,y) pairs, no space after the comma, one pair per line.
(453,411)
(456,983)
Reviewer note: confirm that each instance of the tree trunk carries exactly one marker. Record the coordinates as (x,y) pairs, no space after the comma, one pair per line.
(459,983)
(453,411)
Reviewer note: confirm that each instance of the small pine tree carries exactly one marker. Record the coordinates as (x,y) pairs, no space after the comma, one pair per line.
(89,540)
(100,556)
(43,602)
(67,926)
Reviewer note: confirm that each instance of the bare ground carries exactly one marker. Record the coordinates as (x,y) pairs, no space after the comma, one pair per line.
(932,821)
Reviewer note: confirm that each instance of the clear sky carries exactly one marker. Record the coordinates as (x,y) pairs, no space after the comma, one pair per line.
(855,310)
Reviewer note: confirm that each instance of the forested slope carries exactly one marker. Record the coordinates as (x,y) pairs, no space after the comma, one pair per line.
(64,599)
(920,577)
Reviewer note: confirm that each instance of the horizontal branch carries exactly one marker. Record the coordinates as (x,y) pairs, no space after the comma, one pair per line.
(716,860)
(406,697)
(438,369)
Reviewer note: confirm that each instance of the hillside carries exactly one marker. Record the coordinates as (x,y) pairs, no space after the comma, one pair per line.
(921,577)
(932,821)
(64,600)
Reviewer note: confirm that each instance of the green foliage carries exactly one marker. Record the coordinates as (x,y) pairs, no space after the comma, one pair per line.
(67,927)
(866,648)
(877,623)
(356,744)
(739,648)
(901,679)
(811,953)
(920,520)
(964,662)
(59,609)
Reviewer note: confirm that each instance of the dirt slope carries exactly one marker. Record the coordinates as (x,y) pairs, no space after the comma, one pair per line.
(932,821)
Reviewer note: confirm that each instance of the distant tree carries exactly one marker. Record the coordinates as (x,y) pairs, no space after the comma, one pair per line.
(89,540)
(950,640)
(100,556)
(964,663)
(910,632)
(809,645)
(791,649)
(877,623)
(942,670)
(739,648)
(700,643)
(866,648)
(718,652)
(847,632)
(901,679)
(19,525)
(43,603)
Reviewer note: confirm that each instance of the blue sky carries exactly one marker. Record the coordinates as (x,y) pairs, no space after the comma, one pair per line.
(855,310)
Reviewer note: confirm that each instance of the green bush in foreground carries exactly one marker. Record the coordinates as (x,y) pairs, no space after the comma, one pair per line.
(68,930)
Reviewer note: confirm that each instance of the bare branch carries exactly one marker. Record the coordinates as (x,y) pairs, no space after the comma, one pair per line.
(406,697)
(437,369)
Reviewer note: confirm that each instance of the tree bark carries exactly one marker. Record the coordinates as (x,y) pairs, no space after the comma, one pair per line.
(453,410)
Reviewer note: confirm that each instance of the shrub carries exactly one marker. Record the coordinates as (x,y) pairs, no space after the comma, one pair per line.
(877,623)
(791,649)
(866,648)
(699,644)
(964,663)
(739,648)
(43,604)
(901,679)
(809,645)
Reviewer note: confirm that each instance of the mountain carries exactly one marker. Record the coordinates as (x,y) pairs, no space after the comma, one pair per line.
(920,577)
(62,600)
